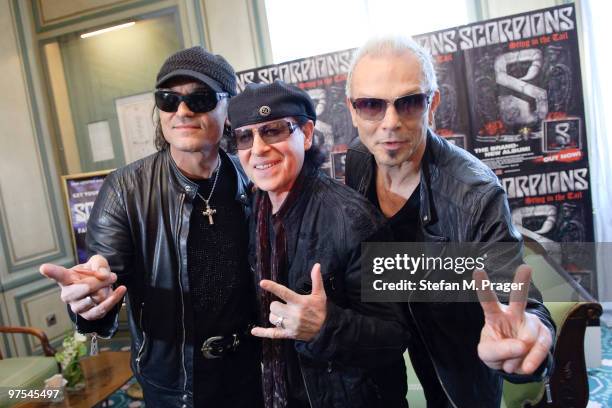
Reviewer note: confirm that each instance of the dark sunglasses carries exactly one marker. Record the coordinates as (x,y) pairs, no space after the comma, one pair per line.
(407,107)
(271,133)
(197,102)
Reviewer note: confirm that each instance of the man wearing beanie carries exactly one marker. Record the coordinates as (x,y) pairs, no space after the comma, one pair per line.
(326,348)
(171,230)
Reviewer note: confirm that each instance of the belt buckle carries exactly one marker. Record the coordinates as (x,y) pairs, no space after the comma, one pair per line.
(210,351)
(208,347)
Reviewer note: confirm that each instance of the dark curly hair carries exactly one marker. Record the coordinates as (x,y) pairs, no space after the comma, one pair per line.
(160,140)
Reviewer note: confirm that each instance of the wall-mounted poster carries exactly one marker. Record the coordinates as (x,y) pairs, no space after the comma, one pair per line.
(80,191)
(135,115)
(511,94)
(524,105)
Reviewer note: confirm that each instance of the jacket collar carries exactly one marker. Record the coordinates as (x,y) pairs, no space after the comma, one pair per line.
(190,188)
(427,211)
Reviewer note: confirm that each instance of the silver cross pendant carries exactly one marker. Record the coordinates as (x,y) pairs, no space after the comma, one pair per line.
(209,213)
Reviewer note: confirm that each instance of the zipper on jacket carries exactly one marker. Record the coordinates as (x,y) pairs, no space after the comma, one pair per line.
(547,390)
(141,352)
(416,323)
(93,348)
(304,381)
(144,339)
(93,351)
(430,357)
(180,263)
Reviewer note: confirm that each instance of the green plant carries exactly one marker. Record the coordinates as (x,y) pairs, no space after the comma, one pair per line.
(73,348)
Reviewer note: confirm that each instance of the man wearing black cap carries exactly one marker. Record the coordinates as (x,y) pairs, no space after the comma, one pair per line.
(172,229)
(327,349)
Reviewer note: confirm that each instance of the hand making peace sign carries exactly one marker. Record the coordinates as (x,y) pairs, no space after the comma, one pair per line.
(512,339)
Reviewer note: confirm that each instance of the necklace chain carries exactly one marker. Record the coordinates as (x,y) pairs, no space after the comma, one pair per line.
(212,190)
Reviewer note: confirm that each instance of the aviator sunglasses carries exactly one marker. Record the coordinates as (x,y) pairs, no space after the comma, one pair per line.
(197,102)
(407,107)
(271,133)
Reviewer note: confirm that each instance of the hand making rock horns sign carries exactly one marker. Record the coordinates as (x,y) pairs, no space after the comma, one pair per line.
(87,287)
(512,339)
(301,316)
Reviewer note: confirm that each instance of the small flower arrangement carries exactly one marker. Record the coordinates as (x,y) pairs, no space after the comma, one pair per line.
(73,348)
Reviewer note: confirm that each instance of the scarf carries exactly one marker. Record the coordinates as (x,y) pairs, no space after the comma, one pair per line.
(272,264)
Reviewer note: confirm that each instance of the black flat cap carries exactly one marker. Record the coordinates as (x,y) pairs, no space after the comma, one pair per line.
(263,102)
(199,64)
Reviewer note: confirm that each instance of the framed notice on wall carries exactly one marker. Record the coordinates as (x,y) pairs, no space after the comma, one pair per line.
(135,115)
(80,191)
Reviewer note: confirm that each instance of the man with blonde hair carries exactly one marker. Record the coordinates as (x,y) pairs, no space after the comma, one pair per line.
(433,191)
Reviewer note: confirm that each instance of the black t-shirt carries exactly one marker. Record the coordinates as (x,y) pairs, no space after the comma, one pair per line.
(405,224)
(406,227)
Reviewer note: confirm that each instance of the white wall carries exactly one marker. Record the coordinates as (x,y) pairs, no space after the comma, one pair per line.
(232,30)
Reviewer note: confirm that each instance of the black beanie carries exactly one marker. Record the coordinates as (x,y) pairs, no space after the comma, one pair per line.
(199,64)
(264,102)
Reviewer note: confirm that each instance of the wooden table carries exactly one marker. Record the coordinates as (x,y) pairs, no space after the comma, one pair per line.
(104,373)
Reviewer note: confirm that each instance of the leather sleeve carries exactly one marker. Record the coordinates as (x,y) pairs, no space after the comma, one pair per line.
(493,225)
(108,234)
(359,333)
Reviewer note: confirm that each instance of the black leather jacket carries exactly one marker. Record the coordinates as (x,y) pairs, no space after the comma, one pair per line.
(356,359)
(140,224)
(461,200)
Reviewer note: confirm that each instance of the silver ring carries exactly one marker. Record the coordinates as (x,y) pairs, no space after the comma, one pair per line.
(93,302)
(279,322)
